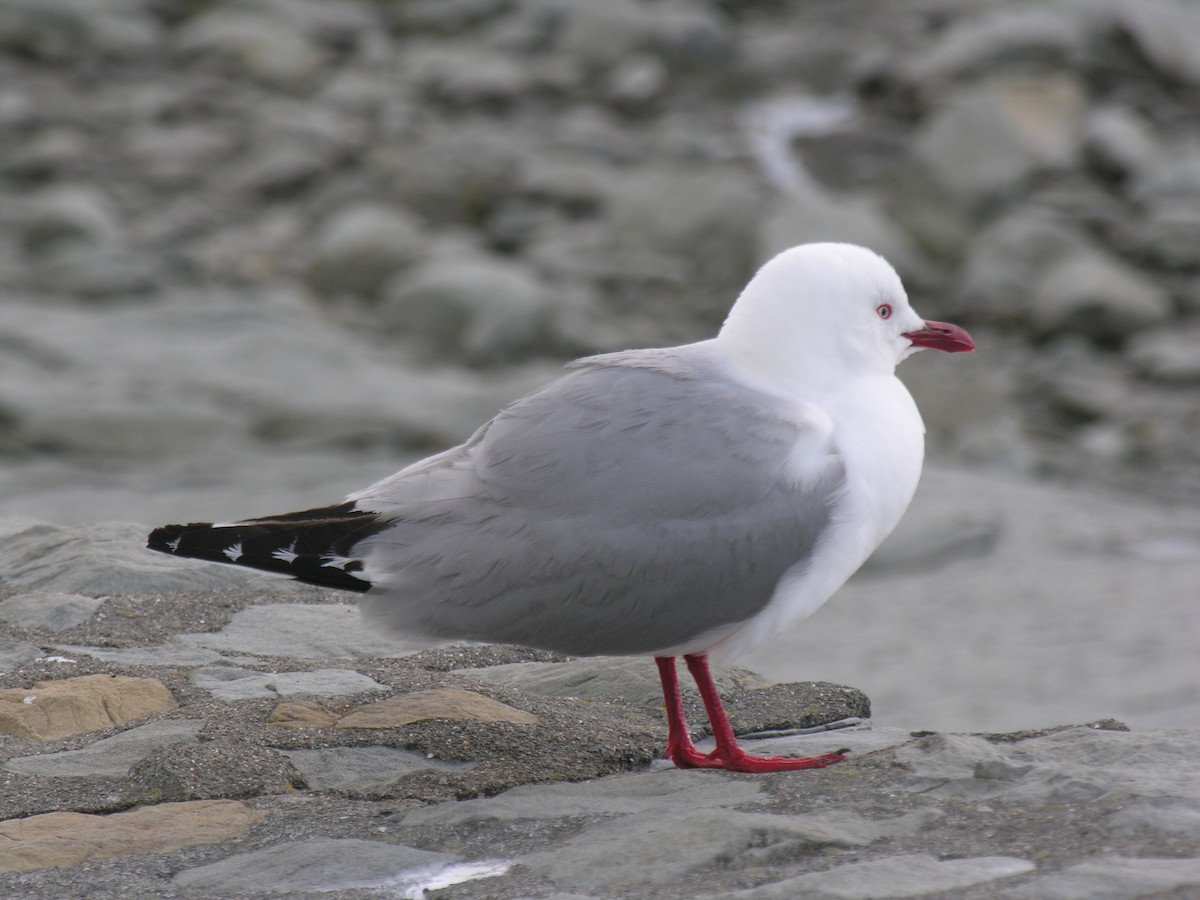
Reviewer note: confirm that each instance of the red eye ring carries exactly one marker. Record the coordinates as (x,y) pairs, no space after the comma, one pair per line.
(884,310)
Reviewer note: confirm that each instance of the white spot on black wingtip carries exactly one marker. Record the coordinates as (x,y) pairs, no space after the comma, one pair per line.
(338,562)
(287,554)
(233,552)
(173,544)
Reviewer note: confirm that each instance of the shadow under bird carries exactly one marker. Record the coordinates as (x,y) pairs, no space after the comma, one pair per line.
(693,500)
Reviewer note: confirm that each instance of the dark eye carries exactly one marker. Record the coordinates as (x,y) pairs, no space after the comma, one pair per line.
(884,310)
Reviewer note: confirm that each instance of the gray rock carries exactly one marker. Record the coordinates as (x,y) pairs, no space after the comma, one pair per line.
(484,310)
(363,770)
(359,247)
(50,153)
(283,168)
(1113,878)
(989,138)
(301,632)
(1008,257)
(928,546)
(1170,815)
(1176,176)
(105,558)
(62,31)
(824,216)
(99,272)
(1170,233)
(1062,766)
(298,384)
(111,757)
(69,215)
(687,241)
(1167,32)
(973,414)
(996,38)
(455,174)
(635,83)
(857,736)
(179,155)
(319,864)
(652,848)
(466,76)
(1119,141)
(52,611)
(968,612)
(1090,293)
(49,31)
(267,48)
(444,16)
(597,36)
(228,683)
(1169,195)
(574,185)
(671,792)
(246,253)
(912,875)
(1170,355)
(14,654)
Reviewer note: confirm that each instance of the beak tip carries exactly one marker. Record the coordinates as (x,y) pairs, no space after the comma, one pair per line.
(942,336)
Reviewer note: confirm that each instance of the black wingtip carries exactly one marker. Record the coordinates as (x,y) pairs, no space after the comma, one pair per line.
(166,539)
(314,546)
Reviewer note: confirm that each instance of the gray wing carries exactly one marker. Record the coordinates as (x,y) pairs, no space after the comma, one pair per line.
(623,509)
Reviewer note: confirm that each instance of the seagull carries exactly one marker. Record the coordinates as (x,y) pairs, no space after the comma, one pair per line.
(688,501)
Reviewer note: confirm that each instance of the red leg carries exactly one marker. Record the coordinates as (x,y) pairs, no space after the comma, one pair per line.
(680,749)
(728,754)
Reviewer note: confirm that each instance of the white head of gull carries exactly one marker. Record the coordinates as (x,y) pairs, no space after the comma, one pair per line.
(690,500)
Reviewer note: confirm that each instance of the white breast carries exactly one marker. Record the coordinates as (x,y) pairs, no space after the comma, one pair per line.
(878,432)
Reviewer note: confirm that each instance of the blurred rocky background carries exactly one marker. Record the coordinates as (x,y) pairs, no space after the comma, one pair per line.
(258,253)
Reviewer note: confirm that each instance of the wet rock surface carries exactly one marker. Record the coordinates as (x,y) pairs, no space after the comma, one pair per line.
(483,771)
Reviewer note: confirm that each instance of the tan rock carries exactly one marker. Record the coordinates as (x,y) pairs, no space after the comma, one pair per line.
(301,714)
(53,709)
(444,703)
(60,839)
